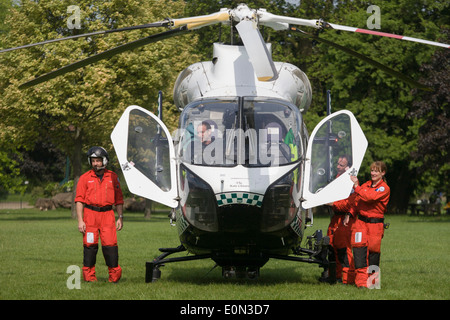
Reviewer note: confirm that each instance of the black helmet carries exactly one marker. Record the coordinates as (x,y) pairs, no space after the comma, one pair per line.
(98,152)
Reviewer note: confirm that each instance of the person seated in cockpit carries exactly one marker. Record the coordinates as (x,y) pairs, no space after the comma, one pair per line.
(277,148)
(204,137)
(204,133)
(194,138)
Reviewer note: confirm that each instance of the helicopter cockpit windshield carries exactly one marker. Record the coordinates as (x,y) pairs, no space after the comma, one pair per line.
(249,131)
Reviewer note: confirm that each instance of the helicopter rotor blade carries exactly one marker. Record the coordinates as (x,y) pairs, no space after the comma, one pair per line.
(257,51)
(104,55)
(191,23)
(362,57)
(164,23)
(202,21)
(385,34)
(276,21)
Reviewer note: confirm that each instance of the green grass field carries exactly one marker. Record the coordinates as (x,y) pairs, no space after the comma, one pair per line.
(36,248)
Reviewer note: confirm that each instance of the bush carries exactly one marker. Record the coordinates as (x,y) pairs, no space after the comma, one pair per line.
(50,189)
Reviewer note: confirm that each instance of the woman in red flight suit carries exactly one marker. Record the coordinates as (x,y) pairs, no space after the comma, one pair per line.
(368,228)
(97,191)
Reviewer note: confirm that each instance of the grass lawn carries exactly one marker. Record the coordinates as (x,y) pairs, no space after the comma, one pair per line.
(36,248)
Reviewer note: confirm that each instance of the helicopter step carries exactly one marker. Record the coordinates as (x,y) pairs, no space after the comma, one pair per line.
(152,272)
(240,272)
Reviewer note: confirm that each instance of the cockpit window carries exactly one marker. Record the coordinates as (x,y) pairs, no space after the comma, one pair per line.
(247,131)
(272,129)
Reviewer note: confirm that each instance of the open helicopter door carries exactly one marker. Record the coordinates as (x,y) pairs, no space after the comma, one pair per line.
(337,135)
(146,155)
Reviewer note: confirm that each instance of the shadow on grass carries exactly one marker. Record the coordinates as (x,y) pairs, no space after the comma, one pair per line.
(269,275)
(428,219)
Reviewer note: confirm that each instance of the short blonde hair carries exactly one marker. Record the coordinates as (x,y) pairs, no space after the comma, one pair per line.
(379,166)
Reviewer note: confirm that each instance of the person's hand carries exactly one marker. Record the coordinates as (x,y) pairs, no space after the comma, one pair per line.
(119,224)
(354,180)
(82,227)
(346,220)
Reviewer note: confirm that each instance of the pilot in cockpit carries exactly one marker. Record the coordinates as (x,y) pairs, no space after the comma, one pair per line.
(204,133)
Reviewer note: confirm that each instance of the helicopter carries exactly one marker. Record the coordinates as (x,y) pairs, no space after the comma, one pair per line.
(241,173)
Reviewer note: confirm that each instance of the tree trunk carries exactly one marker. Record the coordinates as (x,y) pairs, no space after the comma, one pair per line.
(399,181)
(148,209)
(76,168)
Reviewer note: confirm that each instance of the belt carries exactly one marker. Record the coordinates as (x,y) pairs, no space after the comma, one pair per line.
(98,209)
(371,220)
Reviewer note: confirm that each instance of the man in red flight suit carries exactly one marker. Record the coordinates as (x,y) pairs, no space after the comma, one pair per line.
(338,233)
(97,191)
(368,228)
(341,240)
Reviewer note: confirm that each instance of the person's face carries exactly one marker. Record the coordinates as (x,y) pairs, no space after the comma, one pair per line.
(342,165)
(376,175)
(203,133)
(96,163)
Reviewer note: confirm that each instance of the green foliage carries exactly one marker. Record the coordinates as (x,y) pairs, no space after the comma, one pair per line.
(431,113)
(50,189)
(380,102)
(81,108)
(10,179)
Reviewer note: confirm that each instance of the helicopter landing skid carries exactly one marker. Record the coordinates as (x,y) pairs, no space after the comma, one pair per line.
(317,252)
(152,272)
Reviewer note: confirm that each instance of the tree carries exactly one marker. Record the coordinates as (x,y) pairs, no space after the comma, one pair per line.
(10,178)
(380,102)
(81,108)
(431,112)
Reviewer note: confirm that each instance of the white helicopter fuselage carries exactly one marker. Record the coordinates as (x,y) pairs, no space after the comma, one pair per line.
(247,188)
(230,74)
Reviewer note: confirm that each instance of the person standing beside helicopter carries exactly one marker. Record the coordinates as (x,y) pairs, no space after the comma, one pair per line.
(368,228)
(97,191)
(339,233)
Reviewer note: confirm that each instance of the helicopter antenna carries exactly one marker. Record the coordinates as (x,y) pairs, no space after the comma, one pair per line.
(328,148)
(328,102)
(160,109)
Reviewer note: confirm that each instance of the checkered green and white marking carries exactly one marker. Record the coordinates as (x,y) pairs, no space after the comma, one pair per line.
(239,198)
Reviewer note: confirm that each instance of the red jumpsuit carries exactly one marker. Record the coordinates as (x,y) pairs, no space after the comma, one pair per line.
(368,228)
(98,196)
(340,239)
